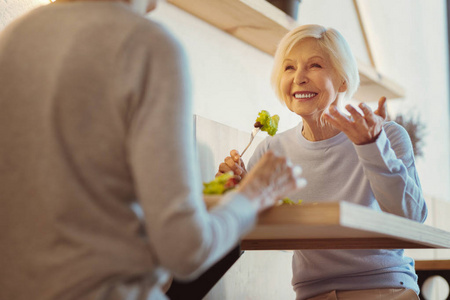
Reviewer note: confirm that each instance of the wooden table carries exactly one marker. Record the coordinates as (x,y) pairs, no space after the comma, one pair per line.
(325,225)
(337,225)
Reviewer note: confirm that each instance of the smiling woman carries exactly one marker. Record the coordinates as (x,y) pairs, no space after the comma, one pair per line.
(355,156)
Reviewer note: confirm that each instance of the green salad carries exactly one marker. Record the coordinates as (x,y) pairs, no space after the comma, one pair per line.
(220,185)
(267,123)
(287,200)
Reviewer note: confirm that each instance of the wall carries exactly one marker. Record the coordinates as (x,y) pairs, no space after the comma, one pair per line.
(11,9)
(231,84)
(420,63)
(229,77)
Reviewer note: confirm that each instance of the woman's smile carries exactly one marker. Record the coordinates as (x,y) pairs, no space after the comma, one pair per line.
(304,96)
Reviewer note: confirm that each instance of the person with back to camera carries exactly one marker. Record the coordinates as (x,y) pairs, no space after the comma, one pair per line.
(357,157)
(95,113)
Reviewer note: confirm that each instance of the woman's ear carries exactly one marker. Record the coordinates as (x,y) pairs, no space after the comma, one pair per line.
(343,87)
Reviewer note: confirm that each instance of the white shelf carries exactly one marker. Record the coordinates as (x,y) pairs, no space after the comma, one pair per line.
(262,25)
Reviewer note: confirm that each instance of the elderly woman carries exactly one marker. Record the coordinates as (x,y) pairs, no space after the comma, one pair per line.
(86,86)
(355,156)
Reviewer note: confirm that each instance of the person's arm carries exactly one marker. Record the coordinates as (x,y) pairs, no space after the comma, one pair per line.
(183,237)
(390,168)
(388,161)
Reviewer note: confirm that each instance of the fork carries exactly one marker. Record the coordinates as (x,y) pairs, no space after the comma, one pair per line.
(254,133)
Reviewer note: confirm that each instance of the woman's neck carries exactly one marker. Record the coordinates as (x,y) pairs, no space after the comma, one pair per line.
(317,129)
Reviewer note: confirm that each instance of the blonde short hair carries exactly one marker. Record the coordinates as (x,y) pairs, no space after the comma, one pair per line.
(332,42)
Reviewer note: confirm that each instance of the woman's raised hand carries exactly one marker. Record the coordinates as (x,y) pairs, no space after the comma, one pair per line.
(270,180)
(233,163)
(360,128)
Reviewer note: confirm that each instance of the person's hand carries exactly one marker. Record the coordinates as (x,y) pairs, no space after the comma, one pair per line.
(270,180)
(233,163)
(360,128)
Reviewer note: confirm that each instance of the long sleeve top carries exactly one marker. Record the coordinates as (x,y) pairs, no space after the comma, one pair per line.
(96,117)
(380,175)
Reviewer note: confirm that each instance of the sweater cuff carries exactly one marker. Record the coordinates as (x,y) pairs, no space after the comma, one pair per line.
(245,211)
(373,152)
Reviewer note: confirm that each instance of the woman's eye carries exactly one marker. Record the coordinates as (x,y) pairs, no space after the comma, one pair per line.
(316,66)
(289,68)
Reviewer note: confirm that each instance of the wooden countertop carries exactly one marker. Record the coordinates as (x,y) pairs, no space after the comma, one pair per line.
(432,265)
(338,225)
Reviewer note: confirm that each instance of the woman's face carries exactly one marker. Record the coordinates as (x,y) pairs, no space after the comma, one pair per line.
(309,83)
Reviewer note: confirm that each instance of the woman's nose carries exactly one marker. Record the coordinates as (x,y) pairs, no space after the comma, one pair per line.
(300,77)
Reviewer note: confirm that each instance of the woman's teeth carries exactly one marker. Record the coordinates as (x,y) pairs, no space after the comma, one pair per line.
(304,96)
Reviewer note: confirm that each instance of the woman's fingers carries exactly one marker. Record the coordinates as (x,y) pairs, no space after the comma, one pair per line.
(369,116)
(337,119)
(233,163)
(230,162)
(234,166)
(357,117)
(333,122)
(360,128)
(381,110)
(235,155)
(338,115)
(237,158)
(224,168)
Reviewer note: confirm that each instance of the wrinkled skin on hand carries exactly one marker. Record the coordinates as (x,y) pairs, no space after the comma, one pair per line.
(360,128)
(271,178)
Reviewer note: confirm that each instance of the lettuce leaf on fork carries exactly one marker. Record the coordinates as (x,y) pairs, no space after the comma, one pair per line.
(267,123)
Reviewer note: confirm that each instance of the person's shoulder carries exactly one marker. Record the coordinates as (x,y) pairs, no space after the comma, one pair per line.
(148,26)
(288,134)
(280,138)
(155,36)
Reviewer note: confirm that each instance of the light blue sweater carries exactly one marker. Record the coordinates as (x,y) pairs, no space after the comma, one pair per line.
(380,175)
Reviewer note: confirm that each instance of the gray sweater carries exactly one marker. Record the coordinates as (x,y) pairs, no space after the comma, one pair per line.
(380,175)
(95,115)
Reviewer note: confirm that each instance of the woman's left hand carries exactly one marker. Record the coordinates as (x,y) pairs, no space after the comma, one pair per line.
(360,128)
